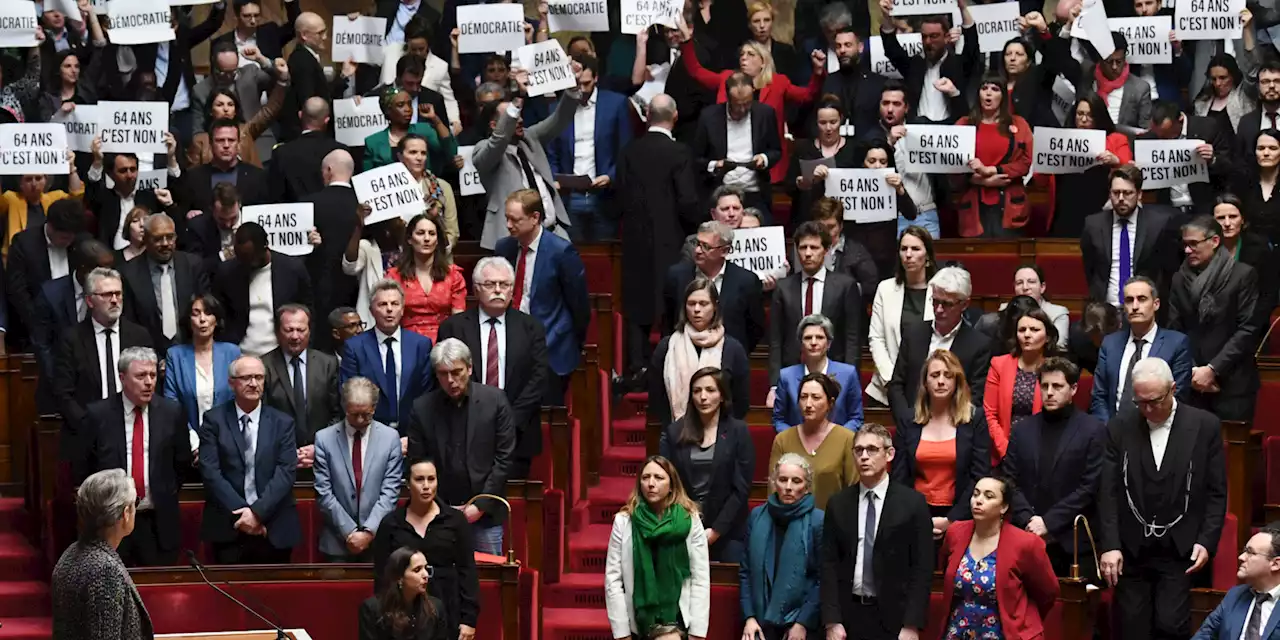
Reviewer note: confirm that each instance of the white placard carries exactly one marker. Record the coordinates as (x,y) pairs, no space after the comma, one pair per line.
(158,179)
(287,225)
(934,148)
(18,24)
(1165,163)
(187,3)
(637,15)
(1209,19)
(33,149)
(1066,150)
(139,21)
(133,127)
(865,194)
(1064,100)
(353,123)
(485,28)
(468,176)
(762,250)
(99,9)
(69,7)
(390,191)
(996,23)
(359,40)
(1148,38)
(1092,26)
(577,15)
(548,66)
(880,63)
(922,7)
(81,124)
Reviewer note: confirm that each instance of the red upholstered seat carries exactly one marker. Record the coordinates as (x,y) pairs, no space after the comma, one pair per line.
(599,273)
(1224,558)
(1267,407)
(991,273)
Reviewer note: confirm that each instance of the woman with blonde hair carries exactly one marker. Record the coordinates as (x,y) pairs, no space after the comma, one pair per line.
(760,19)
(946,447)
(657,570)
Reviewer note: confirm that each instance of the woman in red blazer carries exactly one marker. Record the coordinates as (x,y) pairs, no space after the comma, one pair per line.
(998,582)
(1013,385)
(992,203)
(774,88)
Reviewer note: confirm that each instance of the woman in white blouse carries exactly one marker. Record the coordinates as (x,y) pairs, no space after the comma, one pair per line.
(370,252)
(900,301)
(196,371)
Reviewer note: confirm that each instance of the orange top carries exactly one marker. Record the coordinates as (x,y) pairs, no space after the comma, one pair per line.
(936,471)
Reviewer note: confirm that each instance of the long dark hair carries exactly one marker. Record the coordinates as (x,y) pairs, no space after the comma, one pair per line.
(440,259)
(229,94)
(53,72)
(1004,116)
(1050,335)
(1028,46)
(1097,110)
(867,147)
(931,262)
(1007,333)
(402,619)
(691,426)
(699,283)
(1227,62)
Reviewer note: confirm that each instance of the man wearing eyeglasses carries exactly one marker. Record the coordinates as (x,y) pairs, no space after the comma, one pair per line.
(1267,115)
(510,349)
(1161,504)
(344,323)
(1126,94)
(741,293)
(1132,239)
(1246,611)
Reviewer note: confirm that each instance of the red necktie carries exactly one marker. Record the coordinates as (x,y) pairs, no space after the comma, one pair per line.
(357,467)
(808,297)
(138,455)
(519,294)
(491,356)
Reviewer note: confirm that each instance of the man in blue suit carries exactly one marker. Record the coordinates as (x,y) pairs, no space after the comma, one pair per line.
(358,475)
(551,286)
(1112,389)
(815,333)
(248,458)
(589,147)
(1246,611)
(392,358)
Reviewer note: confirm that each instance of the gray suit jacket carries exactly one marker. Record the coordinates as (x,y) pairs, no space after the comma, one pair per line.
(1135,106)
(500,172)
(324,405)
(251,81)
(90,586)
(336,484)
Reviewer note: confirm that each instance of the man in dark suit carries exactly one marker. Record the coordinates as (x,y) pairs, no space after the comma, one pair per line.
(198,182)
(296,166)
(689,96)
(741,294)
(1213,300)
(211,236)
(336,219)
(1055,460)
(1121,351)
(1143,233)
(254,285)
(397,361)
(308,78)
(552,287)
(1161,504)
(248,459)
(38,255)
(952,288)
(111,204)
(1243,607)
(467,427)
(1266,116)
(62,304)
(301,382)
(877,550)
(742,119)
(158,284)
(812,290)
(146,435)
(270,38)
(512,351)
(941,100)
(1217,148)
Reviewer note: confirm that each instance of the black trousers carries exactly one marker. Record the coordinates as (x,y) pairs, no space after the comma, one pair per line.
(864,621)
(1226,407)
(1153,597)
(247,549)
(639,348)
(366,556)
(142,547)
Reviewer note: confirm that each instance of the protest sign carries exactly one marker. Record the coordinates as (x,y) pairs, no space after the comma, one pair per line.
(1148,38)
(184,3)
(637,15)
(158,179)
(133,127)
(485,28)
(359,40)
(761,250)
(18,24)
(69,7)
(933,148)
(577,15)
(996,24)
(548,67)
(865,194)
(1067,150)
(1166,163)
(390,191)
(922,7)
(33,148)
(468,176)
(81,124)
(880,62)
(139,21)
(1064,100)
(1092,25)
(287,225)
(1209,19)
(353,123)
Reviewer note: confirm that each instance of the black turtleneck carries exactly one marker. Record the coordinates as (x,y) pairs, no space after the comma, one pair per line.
(1055,425)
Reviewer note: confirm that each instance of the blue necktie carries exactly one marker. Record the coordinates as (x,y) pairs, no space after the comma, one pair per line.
(393,387)
(1126,261)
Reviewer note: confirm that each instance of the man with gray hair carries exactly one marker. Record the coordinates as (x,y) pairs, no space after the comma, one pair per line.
(466,428)
(159,284)
(358,470)
(741,294)
(943,328)
(146,435)
(510,348)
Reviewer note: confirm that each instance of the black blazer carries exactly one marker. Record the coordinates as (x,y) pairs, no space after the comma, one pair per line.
(1221,170)
(1229,339)
(271,37)
(725,507)
(335,221)
(971,346)
(1256,252)
(491,436)
(957,68)
(197,186)
(690,96)
(1080,347)
(1156,251)
(373,628)
(973,459)
(55,312)
(168,459)
(526,367)
(324,403)
(1066,489)
(902,560)
(1194,448)
(289,283)
(840,303)
(28,269)
(741,301)
(295,166)
(306,80)
(711,143)
(733,360)
(140,304)
(204,240)
(105,205)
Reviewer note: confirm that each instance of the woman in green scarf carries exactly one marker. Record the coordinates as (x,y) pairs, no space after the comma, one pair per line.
(657,571)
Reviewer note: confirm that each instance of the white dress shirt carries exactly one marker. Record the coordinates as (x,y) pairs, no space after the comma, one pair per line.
(146,449)
(100,338)
(548,202)
(82,306)
(242,44)
(943,341)
(260,335)
(396,348)
(250,451)
(740,149)
(1129,349)
(1180,193)
(1114,100)
(584,138)
(204,400)
(663,131)
(917,184)
(933,103)
(529,261)
(1264,611)
(351,448)
(288,364)
(1113,278)
(880,490)
(1160,435)
(819,285)
(404,13)
(718,279)
(501,327)
(58,266)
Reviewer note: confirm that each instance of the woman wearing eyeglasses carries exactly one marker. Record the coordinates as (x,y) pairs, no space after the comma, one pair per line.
(196,370)
(403,610)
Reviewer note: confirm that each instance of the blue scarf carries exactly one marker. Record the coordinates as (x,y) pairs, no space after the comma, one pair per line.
(779,592)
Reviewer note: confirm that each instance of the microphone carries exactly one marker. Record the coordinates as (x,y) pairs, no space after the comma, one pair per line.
(195,564)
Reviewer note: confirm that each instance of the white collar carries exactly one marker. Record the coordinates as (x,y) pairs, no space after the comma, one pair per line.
(288,359)
(99,328)
(591,99)
(663,131)
(382,337)
(880,489)
(949,334)
(129,406)
(1149,337)
(537,239)
(485,317)
(826,364)
(254,416)
(719,274)
(350,431)
(820,276)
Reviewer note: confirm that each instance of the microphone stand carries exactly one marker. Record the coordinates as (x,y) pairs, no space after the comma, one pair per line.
(195,564)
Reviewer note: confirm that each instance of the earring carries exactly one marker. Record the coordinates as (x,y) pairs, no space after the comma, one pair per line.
(400,585)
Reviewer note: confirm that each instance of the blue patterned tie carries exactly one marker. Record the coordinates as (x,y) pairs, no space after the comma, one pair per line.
(1126,261)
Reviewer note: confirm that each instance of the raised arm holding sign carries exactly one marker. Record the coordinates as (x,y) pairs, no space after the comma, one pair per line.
(33,149)
(490,27)
(390,191)
(288,226)
(934,148)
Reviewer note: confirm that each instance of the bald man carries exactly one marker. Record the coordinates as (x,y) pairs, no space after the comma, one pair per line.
(296,165)
(336,219)
(307,73)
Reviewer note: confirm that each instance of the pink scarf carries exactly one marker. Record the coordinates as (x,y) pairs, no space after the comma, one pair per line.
(683,360)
